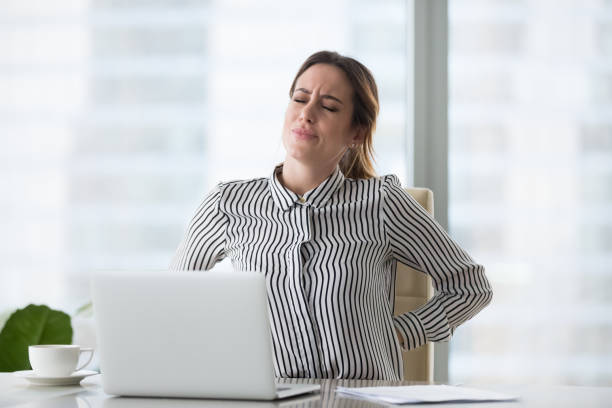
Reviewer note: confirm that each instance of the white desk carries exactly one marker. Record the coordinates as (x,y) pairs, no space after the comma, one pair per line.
(16,392)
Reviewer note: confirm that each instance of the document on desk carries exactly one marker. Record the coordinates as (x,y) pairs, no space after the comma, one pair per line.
(414,394)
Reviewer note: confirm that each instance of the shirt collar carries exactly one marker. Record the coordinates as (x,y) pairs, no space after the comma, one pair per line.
(317,197)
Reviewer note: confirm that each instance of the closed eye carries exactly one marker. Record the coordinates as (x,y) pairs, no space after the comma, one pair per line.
(328,108)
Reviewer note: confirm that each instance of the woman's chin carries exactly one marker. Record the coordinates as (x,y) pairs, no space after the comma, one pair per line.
(301,155)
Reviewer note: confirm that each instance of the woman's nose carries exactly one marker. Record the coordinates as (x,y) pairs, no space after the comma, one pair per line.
(307,113)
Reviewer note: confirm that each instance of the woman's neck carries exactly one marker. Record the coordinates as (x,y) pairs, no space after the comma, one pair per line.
(301,178)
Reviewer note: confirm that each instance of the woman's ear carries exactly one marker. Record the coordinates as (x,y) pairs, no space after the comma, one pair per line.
(359,135)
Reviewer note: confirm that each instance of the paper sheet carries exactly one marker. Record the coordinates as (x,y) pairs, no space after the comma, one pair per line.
(412,394)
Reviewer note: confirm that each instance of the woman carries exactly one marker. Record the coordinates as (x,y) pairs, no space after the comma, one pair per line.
(327,235)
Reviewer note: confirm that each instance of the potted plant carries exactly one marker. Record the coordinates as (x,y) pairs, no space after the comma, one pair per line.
(34,324)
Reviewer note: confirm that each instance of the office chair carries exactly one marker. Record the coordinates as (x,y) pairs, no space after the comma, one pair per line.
(412,289)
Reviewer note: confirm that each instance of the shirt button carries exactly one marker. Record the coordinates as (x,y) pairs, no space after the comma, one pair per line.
(302,200)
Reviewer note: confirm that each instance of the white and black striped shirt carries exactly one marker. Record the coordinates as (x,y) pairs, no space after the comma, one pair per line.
(329,259)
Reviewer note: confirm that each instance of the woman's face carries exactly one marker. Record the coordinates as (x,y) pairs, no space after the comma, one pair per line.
(317,129)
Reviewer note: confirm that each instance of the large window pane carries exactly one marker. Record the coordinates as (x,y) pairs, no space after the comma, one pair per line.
(530,176)
(117,116)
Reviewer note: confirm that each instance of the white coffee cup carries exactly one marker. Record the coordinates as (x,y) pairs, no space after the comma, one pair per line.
(57,360)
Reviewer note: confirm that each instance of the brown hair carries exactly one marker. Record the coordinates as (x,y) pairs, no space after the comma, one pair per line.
(357,162)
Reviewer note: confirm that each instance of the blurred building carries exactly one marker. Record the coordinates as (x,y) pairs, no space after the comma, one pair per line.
(530,176)
(118,116)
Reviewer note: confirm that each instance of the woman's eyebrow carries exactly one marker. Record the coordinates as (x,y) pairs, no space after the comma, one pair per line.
(326,96)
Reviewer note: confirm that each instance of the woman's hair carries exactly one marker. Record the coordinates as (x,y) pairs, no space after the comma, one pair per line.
(357,162)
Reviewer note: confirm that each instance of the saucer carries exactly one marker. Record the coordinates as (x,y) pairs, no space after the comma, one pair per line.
(72,379)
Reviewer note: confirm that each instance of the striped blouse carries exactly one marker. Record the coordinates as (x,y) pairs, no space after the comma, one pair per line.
(329,258)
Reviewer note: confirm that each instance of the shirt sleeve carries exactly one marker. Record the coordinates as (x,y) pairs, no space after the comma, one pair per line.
(204,243)
(461,288)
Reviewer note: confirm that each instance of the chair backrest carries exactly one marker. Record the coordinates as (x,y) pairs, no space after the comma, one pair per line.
(412,289)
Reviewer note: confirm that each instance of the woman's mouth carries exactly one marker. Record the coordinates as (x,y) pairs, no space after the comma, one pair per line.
(303,134)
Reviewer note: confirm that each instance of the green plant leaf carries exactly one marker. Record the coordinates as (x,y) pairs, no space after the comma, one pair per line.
(4,317)
(34,324)
(85,311)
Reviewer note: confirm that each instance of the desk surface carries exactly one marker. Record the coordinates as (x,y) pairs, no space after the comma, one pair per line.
(16,392)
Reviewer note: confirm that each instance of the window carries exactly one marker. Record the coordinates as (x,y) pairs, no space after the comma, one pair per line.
(530,176)
(119,115)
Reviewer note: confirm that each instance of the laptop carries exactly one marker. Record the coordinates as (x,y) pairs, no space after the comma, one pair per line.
(186,334)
